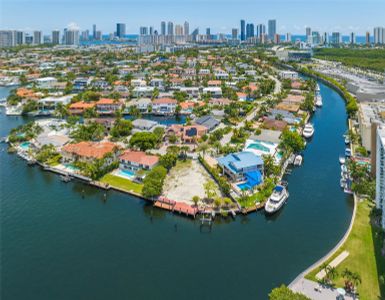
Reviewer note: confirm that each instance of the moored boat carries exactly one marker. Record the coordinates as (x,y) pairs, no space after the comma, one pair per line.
(298,160)
(277,199)
(342,159)
(308,131)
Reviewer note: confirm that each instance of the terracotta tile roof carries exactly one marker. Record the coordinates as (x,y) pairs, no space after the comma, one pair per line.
(106,101)
(165,101)
(82,105)
(191,104)
(139,157)
(90,149)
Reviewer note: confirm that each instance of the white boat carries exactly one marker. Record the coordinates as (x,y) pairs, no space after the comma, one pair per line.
(318,100)
(298,160)
(13,110)
(317,88)
(344,169)
(277,199)
(347,140)
(308,131)
(348,152)
(342,183)
(342,160)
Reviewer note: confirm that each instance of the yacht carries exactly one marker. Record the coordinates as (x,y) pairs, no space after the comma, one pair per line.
(13,110)
(277,199)
(318,100)
(317,88)
(347,140)
(308,131)
(348,152)
(298,160)
(342,160)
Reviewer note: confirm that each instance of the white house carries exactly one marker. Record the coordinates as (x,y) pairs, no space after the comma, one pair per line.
(46,82)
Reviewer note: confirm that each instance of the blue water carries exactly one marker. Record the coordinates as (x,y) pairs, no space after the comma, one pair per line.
(66,241)
(25,145)
(244,186)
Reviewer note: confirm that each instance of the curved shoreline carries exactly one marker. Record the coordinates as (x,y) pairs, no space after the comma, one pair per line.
(347,233)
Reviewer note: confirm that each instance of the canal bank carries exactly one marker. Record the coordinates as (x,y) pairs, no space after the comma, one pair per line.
(58,244)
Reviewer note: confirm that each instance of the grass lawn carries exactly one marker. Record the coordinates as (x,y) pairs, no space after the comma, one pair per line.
(364,256)
(122,183)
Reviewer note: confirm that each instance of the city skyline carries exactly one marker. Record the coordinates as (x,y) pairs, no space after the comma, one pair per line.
(27,16)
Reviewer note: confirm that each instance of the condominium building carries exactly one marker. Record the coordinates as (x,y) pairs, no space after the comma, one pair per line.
(71,37)
(55,37)
(186,28)
(272,29)
(367,38)
(379,35)
(120,30)
(6,38)
(352,38)
(170,28)
(37,37)
(336,38)
(163,28)
(243,28)
(380,172)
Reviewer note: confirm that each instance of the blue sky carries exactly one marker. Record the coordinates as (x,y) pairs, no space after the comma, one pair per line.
(220,15)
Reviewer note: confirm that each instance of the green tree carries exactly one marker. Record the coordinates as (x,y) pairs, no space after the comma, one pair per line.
(153,182)
(121,128)
(292,141)
(168,160)
(284,293)
(210,189)
(144,140)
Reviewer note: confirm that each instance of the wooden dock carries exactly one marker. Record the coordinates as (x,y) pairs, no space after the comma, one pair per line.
(176,207)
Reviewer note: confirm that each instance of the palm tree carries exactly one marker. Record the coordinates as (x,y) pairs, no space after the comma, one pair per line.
(196,200)
(203,147)
(347,275)
(356,279)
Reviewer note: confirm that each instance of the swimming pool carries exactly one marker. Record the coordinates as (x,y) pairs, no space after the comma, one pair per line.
(244,186)
(25,145)
(126,173)
(258,146)
(71,167)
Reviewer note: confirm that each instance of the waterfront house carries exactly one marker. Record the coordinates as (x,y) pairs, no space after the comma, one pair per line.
(80,107)
(106,106)
(239,165)
(188,106)
(46,82)
(207,121)
(187,134)
(143,91)
(137,160)
(49,104)
(144,125)
(215,92)
(219,101)
(164,106)
(89,151)
(273,124)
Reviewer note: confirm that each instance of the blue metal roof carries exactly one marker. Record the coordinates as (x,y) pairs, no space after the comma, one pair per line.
(241,160)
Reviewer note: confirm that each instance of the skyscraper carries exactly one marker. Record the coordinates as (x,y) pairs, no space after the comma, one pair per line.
(243,36)
(85,35)
(120,30)
(186,27)
(55,39)
(249,30)
(170,28)
(352,38)
(261,30)
(288,37)
(151,30)
(234,33)
(19,38)
(6,38)
(94,31)
(178,29)
(143,30)
(336,38)
(208,31)
(163,28)
(326,38)
(367,38)
(379,35)
(71,37)
(272,29)
(37,37)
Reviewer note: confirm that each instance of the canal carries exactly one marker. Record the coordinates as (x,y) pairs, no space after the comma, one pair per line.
(55,244)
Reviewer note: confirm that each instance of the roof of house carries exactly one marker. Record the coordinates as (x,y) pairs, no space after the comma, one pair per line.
(165,101)
(143,123)
(90,149)
(267,135)
(82,105)
(236,162)
(107,101)
(139,157)
(208,121)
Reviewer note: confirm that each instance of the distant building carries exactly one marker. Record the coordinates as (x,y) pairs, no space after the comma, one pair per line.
(352,38)
(277,38)
(55,39)
(272,29)
(367,38)
(379,35)
(249,30)
(143,30)
(19,37)
(243,33)
(6,38)
(71,37)
(163,28)
(37,37)
(336,38)
(94,32)
(261,30)
(178,29)
(120,30)
(288,37)
(234,33)
(186,27)
(170,28)
(380,172)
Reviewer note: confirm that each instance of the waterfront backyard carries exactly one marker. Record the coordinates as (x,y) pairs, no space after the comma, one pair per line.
(186,180)
(364,246)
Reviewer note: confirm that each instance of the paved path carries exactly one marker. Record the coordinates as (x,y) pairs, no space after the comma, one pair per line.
(334,263)
(316,292)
